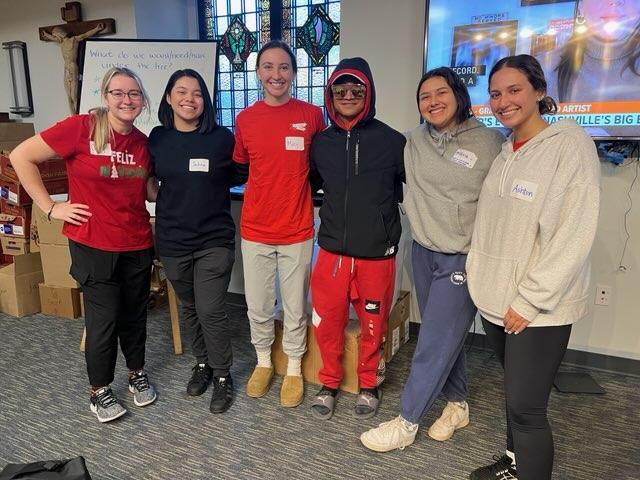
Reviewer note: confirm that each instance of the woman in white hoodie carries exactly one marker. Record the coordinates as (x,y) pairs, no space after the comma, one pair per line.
(528,268)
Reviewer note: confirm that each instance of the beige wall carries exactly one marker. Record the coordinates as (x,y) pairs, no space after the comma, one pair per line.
(20,21)
(390,36)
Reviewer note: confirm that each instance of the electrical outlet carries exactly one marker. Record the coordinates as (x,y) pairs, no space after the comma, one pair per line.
(603,295)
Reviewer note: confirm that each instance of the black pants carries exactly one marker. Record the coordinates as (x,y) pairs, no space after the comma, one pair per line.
(530,361)
(115,286)
(201,281)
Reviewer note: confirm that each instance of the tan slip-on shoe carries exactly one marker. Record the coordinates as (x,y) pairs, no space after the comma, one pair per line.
(292,391)
(260,381)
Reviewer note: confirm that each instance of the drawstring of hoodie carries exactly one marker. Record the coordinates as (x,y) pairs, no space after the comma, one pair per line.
(441,139)
(505,172)
(357,152)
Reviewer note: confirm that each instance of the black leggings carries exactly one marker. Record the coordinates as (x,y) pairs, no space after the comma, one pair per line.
(530,361)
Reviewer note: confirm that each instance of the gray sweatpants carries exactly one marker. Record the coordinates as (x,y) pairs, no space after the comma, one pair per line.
(292,263)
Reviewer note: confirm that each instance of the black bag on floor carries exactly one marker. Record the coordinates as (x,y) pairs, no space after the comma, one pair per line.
(70,469)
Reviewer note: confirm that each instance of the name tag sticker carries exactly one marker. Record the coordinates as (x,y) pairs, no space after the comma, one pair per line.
(294,143)
(464,158)
(198,164)
(524,190)
(106,151)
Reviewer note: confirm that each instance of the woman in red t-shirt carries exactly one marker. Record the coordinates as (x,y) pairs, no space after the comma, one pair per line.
(108,227)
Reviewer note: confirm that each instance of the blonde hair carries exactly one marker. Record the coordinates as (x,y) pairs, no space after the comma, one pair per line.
(101,131)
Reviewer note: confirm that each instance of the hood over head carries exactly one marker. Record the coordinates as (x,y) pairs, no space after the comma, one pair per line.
(359,68)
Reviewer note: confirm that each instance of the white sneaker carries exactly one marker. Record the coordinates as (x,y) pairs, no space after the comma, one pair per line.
(454,417)
(397,433)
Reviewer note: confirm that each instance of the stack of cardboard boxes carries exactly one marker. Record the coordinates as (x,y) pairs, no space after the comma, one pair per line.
(397,335)
(20,266)
(60,293)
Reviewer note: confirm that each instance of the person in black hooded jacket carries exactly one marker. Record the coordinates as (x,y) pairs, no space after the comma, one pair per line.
(358,163)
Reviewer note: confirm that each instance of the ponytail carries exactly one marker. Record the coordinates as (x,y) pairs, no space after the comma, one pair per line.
(547,106)
(101,131)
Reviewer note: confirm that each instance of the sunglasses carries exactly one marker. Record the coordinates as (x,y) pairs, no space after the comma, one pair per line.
(341,91)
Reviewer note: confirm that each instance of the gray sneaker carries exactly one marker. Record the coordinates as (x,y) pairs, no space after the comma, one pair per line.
(143,392)
(106,406)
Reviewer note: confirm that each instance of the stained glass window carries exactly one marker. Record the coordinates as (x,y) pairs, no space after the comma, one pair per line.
(311,27)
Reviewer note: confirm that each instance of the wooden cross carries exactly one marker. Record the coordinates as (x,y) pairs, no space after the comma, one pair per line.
(72,14)
(69,36)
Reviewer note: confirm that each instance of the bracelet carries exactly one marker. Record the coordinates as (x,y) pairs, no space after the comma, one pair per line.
(50,211)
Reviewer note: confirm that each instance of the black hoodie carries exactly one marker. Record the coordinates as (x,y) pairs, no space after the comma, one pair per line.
(361,173)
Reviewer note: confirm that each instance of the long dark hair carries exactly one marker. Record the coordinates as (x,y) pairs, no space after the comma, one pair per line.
(458,87)
(207,121)
(282,45)
(572,58)
(530,68)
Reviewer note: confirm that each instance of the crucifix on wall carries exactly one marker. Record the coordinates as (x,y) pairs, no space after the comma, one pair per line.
(69,35)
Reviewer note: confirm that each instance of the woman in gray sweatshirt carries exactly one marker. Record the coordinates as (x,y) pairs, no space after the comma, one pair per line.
(446,160)
(529,260)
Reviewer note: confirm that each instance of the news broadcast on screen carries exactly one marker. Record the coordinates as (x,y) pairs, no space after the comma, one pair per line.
(589,50)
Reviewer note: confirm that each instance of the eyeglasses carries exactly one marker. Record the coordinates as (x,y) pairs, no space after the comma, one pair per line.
(341,91)
(134,95)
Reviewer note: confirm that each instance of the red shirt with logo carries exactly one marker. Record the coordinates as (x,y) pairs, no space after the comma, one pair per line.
(112,183)
(275,141)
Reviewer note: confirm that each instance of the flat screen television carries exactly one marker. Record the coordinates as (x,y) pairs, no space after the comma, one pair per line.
(589,49)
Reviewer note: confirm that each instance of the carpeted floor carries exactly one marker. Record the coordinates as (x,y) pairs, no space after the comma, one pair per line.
(44,414)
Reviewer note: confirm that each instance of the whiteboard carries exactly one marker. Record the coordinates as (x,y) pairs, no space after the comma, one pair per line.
(153,60)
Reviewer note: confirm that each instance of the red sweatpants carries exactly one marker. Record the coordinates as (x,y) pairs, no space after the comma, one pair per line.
(336,281)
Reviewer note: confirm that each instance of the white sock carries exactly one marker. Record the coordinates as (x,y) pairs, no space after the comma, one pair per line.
(264,358)
(462,404)
(409,427)
(294,366)
(512,456)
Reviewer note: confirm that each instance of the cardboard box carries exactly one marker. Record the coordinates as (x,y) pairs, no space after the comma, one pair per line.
(56,262)
(34,240)
(59,301)
(14,133)
(397,335)
(17,225)
(12,191)
(14,210)
(19,285)
(14,245)
(312,361)
(49,231)
(54,168)
(398,326)
(158,279)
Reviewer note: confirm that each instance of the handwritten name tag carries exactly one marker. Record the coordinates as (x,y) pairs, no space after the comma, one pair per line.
(465,158)
(294,143)
(198,164)
(524,190)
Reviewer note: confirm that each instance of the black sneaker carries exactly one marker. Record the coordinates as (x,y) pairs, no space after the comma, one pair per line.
(222,397)
(200,379)
(502,469)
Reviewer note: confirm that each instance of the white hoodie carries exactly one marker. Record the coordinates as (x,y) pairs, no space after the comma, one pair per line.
(536,221)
